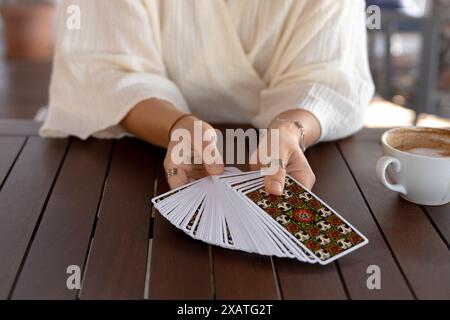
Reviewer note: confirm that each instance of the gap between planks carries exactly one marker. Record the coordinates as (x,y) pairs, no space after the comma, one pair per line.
(376,222)
(435,226)
(97,214)
(2,183)
(38,222)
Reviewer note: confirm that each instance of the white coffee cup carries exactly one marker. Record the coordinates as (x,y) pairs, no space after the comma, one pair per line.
(416,163)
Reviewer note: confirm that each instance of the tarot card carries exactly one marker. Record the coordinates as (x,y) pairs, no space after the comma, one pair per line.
(234,211)
(322,232)
(275,231)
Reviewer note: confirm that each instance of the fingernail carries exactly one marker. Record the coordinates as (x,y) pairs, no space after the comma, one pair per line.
(276,187)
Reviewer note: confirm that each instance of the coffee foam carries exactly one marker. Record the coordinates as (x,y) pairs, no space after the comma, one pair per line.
(432,142)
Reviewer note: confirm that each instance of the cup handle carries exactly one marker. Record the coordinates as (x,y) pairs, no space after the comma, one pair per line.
(382,165)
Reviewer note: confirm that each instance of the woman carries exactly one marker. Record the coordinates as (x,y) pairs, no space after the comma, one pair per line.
(148,67)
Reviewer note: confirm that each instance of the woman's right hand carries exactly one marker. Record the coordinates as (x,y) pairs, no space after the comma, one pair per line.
(209,161)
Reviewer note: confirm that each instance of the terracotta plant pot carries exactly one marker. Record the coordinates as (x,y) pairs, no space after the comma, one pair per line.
(28,30)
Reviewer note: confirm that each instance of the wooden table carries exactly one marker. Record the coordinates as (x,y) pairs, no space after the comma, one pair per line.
(69,202)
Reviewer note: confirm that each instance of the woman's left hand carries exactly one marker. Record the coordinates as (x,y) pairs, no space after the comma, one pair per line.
(290,152)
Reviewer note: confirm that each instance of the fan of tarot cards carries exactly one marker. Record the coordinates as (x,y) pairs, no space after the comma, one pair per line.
(234,211)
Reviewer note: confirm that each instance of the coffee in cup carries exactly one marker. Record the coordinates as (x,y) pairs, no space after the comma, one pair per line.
(416,163)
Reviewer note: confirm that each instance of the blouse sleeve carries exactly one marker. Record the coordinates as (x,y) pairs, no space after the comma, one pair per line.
(107,66)
(321,65)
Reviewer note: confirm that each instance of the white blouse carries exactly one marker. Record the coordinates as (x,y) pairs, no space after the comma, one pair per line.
(241,61)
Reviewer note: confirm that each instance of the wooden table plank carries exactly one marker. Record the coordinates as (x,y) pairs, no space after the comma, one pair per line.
(243,276)
(117,261)
(10,148)
(65,230)
(21,202)
(302,281)
(336,186)
(368,134)
(421,253)
(19,127)
(180,267)
(440,215)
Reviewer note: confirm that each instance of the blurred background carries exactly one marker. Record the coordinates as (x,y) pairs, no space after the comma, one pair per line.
(409,57)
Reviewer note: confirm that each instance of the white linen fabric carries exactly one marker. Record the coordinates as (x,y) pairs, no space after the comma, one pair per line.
(241,61)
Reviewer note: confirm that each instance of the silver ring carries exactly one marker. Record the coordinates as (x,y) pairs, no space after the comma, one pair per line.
(277,163)
(171,172)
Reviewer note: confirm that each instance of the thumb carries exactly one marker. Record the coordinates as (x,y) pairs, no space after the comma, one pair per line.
(274,182)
